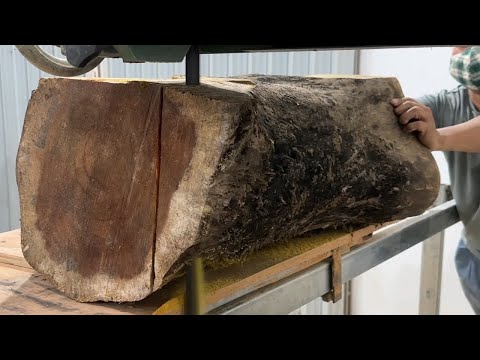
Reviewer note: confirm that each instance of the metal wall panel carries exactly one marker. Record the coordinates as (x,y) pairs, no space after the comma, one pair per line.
(275,63)
(18,78)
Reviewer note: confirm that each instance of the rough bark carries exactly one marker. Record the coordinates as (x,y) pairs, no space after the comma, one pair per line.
(121,182)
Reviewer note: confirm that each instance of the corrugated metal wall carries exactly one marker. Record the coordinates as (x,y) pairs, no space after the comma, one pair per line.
(277,63)
(18,79)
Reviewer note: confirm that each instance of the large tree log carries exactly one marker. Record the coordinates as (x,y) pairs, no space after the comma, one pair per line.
(121,182)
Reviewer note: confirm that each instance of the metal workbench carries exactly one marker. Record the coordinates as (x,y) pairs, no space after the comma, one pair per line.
(302,288)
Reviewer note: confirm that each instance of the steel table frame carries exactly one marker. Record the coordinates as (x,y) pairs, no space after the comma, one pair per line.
(308,285)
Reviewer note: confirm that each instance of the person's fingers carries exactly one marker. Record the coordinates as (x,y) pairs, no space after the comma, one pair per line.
(396,102)
(400,109)
(414,113)
(415,126)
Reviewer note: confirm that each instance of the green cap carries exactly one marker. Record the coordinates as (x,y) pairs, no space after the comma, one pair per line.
(465,67)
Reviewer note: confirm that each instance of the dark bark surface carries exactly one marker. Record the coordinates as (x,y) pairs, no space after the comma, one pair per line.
(314,153)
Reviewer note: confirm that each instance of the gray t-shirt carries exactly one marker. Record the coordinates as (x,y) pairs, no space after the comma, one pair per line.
(451,108)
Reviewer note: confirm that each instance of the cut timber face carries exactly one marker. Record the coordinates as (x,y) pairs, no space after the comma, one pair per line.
(88,173)
(121,182)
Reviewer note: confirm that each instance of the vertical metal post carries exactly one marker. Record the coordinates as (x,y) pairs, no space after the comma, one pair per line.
(347,297)
(431,275)
(192,63)
(431,269)
(194,280)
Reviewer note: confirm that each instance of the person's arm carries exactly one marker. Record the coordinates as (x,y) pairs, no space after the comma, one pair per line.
(416,117)
(462,137)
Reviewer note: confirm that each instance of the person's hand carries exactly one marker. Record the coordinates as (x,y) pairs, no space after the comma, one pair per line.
(416,117)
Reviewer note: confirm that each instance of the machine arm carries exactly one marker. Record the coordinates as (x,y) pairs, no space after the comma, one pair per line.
(82,58)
